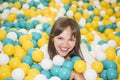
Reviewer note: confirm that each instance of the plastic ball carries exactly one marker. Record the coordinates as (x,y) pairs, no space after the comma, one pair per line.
(55,78)
(4,59)
(30,51)
(89,74)
(40,77)
(41,42)
(80,66)
(36,35)
(29,77)
(11,17)
(27,45)
(18,74)
(64,73)
(110,53)
(37,55)
(3,34)
(25,67)
(75,58)
(46,64)
(101,28)
(45,35)
(27,59)
(23,31)
(36,66)
(70,13)
(9,49)
(97,66)
(68,64)
(112,43)
(24,38)
(46,73)
(112,74)
(5,72)
(33,71)
(58,60)
(14,63)
(46,26)
(54,70)
(48,30)
(100,56)
(103,74)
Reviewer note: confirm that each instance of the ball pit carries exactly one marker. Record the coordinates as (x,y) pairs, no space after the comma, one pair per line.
(25,27)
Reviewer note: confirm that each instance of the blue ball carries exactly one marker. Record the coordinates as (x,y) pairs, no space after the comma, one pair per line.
(8,79)
(6,41)
(54,70)
(36,36)
(29,26)
(35,22)
(108,26)
(20,16)
(67,6)
(90,7)
(103,74)
(112,74)
(17,43)
(46,26)
(89,20)
(111,64)
(28,59)
(46,73)
(19,34)
(89,47)
(80,11)
(30,51)
(101,28)
(75,58)
(117,34)
(64,73)
(68,64)
(34,43)
(101,42)
(9,24)
(48,30)
(36,66)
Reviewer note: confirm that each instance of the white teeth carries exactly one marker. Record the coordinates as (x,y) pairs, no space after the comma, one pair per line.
(63,48)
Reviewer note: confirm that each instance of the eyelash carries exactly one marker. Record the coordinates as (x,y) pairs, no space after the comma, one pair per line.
(69,39)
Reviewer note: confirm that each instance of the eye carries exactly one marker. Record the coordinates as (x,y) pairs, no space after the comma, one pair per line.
(60,38)
(72,39)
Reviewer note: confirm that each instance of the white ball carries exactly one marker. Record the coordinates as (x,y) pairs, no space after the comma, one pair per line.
(14,10)
(118,53)
(12,35)
(113,1)
(6,11)
(118,24)
(54,78)
(1,46)
(58,60)
(80,3)
(116,9)
(102,13)
(113,19)
(18,74)
(4,59)
(90,74)
(4,5)
(23,31)
(100,23)
(4,16)
(26,6)
(41,6)
(82,22)
(40,77)
(46,63)
(38,27)
(112,43)
(100,56)
(70,13)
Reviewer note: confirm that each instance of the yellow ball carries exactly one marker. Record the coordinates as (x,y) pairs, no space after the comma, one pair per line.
(17,5)
(24,38)
(96,11)
(94,24)
(9,49)
(19,53)
(45,35)
(73,8)
(5,72)
(90,36)
(108,31)
(97,66)
(33,72)
(99,79)
(3,34)
(11,17)
(80,66)
(27,45)
(110,53)
(25,67)
(14,63)
(41,42)
(84,31)
(29,77)
(96,18)
(119,59)
(85,5)
(66,1)
(77,15)
(109,11)
(86,15)
(37,55)
(38,12)
(118,68)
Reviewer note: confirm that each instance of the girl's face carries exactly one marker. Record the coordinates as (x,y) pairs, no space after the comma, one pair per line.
(64,43)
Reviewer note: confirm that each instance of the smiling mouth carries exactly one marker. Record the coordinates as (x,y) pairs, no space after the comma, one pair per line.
(64,49)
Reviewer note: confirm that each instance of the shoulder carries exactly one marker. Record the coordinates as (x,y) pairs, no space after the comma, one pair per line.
(44,49)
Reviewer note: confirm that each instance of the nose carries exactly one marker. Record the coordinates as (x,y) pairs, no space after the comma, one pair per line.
(65,43)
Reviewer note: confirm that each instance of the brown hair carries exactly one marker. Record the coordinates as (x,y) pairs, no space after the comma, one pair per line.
(59,26)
